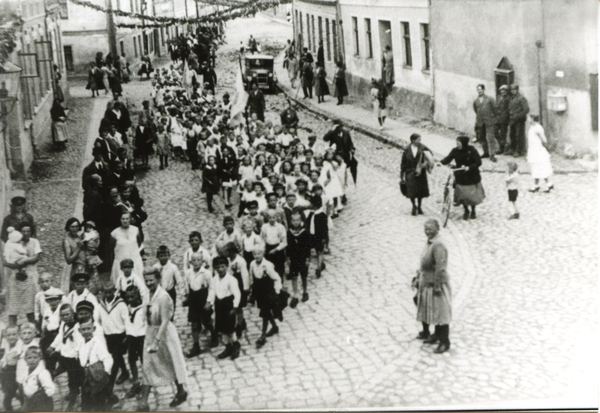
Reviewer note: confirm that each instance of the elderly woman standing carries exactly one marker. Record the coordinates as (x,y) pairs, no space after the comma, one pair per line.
(468,190)
(60,133)
(538,156)
(434,297)
(416,160)
(163,357)
(22,288)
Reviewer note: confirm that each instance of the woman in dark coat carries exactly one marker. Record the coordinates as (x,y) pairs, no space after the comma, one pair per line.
(114,83)
(413,172)
(210,181)
(307,80)
(468,190)
(143,140)
(256,102)
(341,88)
(321,87)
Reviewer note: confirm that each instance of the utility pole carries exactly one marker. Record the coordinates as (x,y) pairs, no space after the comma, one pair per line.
(111,31)
(340,27)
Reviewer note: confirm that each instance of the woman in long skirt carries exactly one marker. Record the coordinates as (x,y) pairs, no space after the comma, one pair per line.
(468,190)
(320,83)
(92,83)
(59,124)
(163,358)
(341,88)
(538,156)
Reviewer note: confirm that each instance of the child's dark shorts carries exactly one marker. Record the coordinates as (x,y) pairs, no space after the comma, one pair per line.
(512,195)
(297,267)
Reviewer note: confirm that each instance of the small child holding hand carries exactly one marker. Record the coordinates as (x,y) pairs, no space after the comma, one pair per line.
(512,185)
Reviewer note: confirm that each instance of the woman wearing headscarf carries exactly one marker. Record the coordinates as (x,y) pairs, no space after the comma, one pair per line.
(59,124)
(434,296)
(468,190)
(417,160)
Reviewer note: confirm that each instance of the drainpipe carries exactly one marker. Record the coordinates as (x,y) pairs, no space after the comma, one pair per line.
(431,71)
(340,27)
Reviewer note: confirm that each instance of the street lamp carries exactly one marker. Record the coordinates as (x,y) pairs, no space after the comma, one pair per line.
(10,75)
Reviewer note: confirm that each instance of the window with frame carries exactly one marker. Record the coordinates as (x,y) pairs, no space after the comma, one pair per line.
(335,43)
(328,38)
(320,29)
(69,58)
(425,45)
(406,42)
(355,37)
(368,38)
(308,39)
(135,48)
(312,23)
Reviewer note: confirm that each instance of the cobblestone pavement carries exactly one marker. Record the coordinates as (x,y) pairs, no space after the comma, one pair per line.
(525,329)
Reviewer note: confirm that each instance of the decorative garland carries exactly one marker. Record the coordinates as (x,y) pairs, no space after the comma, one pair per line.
(251,6)
(9,24)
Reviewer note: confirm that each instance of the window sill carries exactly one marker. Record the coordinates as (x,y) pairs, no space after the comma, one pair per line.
(407,67)
(426,71)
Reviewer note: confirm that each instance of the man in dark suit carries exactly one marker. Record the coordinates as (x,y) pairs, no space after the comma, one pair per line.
(119,116)
(289,117)
(97,167)
(485,123)
(115,177)
(208,76)
(518,108)
(339,136)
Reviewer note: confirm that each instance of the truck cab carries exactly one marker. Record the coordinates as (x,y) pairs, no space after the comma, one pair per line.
(259,68)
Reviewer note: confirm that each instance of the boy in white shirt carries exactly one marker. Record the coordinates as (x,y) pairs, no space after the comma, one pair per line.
(199,279)
(284,138)
(224,296)
(195,240)
(67,344)
(113,318)
(136,334)
(170,275)
(33,379)
(126,279)
(50,324)
(40,300)
(92,351)
(231,234)
(81,293)
(13,348)
(239,269)
(274,235)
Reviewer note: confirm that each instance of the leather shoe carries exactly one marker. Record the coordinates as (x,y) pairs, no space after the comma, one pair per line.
(214,340)
(414,212)
(431,340)
(179,398)
(122,378)
(227,352)
(294,302)
(304,297)
(466,215)
(272,331)
(194,351)
(493,158)
(419,211)
(485,155)
(473,215)
(423,335)
(442,348)
(261,342)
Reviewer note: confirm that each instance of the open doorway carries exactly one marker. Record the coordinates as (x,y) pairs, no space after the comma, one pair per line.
(387,57)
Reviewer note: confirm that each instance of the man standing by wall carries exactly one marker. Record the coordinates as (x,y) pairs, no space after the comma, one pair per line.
(485,123)
(518,108)
(502,118)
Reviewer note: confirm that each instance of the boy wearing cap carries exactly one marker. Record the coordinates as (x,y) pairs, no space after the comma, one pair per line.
(224,296)
(81,293)
(50,323)
(113,317)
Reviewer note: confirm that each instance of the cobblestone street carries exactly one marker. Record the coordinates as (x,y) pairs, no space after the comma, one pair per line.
(525,292)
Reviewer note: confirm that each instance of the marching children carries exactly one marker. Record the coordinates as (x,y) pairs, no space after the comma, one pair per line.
(224,296)
(50,323)
(229,235)
(67,344)
(254,216)
(13,347)
(319,231)
(135,328)
(239,269)
(250,240)
(199,278)
(170,276)
(81,293)
(298,251)
(163,147)
(36,383)
(273,206)
(127,278)
(92,351)
(113,318)
(40,299)
(274,235)
(195,240)
(512,185)
(266,286)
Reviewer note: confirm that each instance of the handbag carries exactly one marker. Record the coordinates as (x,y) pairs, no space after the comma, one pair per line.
(96,378)
(403,188)
(21,275)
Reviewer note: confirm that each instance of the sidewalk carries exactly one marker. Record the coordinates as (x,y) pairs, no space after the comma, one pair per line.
(397,133)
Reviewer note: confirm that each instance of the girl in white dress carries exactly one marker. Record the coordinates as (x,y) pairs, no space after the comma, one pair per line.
(331,182)
(538,156)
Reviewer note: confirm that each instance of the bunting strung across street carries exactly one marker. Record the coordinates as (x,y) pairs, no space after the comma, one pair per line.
(234,11)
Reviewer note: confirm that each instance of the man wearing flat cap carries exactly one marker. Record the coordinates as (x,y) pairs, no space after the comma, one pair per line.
(17,216)
(502,117)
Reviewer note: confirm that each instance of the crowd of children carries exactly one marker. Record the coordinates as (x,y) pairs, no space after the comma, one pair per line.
(288,193)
